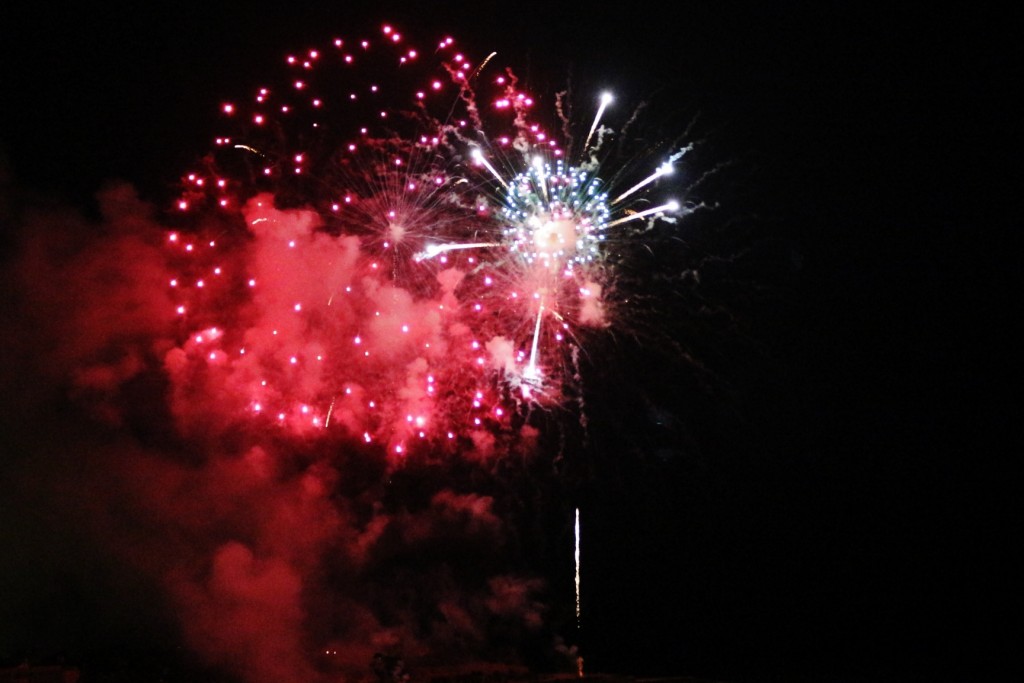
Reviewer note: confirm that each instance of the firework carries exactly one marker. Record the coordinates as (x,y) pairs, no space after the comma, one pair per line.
(393,243)
(576,562)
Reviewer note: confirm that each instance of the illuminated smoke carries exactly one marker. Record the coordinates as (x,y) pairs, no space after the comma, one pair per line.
(311,392)
(439,217)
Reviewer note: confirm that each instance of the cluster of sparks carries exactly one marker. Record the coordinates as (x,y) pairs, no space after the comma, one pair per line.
(396,250)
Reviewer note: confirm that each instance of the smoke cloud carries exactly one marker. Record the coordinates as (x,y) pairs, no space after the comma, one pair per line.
(278,460)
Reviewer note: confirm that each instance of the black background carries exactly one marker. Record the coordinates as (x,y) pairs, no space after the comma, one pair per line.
(857,526)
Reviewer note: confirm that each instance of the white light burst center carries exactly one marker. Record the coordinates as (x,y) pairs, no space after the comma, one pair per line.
(555,215)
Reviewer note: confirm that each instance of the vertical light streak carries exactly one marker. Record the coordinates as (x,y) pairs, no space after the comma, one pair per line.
(577,558)
(330,410)
(538,164)
(531,369)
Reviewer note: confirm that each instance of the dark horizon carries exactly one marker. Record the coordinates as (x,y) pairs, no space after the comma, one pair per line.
(828,501)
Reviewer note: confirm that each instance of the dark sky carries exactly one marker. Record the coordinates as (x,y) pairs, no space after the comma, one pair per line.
(836,505)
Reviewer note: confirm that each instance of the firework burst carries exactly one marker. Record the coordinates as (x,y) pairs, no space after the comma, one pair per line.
(391,242)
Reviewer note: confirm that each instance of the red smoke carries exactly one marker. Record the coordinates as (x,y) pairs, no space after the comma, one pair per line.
(287,410)
(285,549)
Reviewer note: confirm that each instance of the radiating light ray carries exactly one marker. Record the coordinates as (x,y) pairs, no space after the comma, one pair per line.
(664,169)
(479,157)
(670,206)
(433,250)
(606,99)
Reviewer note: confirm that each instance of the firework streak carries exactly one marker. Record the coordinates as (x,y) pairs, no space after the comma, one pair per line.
(391,243)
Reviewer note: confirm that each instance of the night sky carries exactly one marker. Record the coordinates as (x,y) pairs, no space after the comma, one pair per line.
(822,495)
